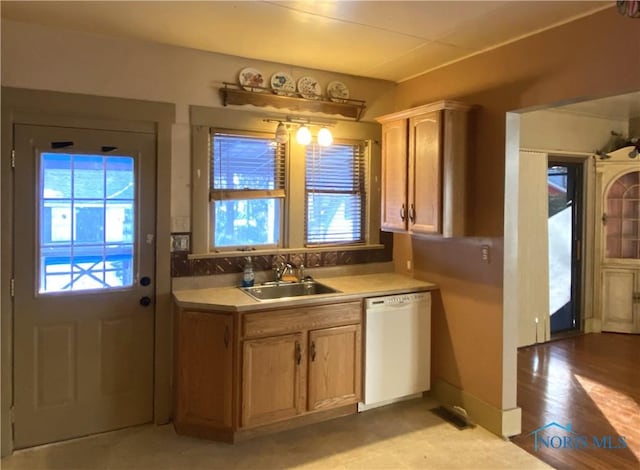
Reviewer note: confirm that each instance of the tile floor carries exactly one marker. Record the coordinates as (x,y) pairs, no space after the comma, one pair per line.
(400,436)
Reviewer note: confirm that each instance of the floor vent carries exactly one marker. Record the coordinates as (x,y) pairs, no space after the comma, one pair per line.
(454,415)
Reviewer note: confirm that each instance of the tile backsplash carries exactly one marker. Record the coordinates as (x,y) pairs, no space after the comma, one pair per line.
(182,266)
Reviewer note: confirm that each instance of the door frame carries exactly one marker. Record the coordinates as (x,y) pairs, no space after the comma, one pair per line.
(586,236)
(588,249)
(50,108)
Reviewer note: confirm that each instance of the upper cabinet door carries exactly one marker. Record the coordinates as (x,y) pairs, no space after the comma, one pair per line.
(394,176)
(424,177)
(425,184)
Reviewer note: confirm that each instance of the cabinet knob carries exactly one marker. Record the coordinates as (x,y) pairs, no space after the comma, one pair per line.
(412,213)
(402,212)
(313,351)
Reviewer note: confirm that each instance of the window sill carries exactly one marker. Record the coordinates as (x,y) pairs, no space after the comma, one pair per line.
(277,251)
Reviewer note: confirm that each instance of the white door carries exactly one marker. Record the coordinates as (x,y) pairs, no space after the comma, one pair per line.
(84,221)
(620,247)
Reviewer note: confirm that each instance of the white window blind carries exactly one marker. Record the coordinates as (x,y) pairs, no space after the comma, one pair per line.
(335,194)
(246,166)
(247,189)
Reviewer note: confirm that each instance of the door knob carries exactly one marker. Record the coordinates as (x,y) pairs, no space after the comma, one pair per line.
(145,301)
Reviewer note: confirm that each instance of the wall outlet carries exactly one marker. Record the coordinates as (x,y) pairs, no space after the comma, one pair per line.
(484,254)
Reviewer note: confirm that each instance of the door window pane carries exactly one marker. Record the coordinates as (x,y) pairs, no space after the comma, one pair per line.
(119,178)
(88,176)
(560,233)
(86,242)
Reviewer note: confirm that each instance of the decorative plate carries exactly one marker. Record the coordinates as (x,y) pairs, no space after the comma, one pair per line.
(337,91)
(309,88)
(251,79)
(283,84)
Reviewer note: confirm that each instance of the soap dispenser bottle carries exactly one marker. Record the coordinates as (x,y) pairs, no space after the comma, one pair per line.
(247,273)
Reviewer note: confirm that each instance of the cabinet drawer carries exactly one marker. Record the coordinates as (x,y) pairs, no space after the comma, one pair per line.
(291,320)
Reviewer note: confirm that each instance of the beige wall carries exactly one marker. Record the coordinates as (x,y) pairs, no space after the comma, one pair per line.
(38,57)
(579,60)
(634,127)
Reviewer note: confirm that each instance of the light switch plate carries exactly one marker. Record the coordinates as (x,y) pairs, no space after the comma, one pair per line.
(180,242)
(484,254)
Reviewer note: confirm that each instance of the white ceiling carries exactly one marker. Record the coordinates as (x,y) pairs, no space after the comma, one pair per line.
(621,107)
(391,40)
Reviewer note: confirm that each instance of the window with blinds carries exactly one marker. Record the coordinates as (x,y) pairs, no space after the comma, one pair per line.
(335,194)
(247,190)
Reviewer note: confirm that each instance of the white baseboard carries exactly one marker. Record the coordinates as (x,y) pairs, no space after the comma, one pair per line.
(371,406)
(504,423)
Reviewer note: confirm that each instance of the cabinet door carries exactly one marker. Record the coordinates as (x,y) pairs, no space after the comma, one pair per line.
(394,175)
(335,376)
(620,304)
(204,368)
(272,379)
(425,167)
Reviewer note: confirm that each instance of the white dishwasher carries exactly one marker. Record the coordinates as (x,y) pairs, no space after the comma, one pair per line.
(397,348)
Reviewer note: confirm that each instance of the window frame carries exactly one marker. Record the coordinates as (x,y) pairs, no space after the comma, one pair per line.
(278,194)
(364,197)
(190,209)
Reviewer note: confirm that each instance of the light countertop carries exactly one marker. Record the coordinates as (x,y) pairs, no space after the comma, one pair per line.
(232,299)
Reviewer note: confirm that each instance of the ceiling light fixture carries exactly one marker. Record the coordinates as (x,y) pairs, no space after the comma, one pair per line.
(282,134)
(303,134)
(324,137)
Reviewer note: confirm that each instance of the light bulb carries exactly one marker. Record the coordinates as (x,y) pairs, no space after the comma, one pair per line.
(324,137)
(303,136)
(282,136)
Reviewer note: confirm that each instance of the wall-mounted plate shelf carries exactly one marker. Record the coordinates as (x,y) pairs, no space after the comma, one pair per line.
(233,94)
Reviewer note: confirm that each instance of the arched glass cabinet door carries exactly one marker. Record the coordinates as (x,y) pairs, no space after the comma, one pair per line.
(622,217)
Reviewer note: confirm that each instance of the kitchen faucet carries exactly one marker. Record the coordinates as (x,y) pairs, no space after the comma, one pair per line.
(285,272)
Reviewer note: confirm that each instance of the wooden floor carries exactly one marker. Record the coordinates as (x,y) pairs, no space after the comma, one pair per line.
(590,383)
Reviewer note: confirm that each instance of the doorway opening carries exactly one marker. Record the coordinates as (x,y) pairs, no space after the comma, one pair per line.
(565,189)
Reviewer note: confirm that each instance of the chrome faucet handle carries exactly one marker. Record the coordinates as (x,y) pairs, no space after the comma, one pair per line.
(278,269)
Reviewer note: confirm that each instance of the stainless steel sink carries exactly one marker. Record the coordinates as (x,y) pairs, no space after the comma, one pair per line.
(270,291)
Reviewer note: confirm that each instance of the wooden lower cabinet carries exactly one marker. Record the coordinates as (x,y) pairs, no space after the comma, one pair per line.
(335,360)
(242,374)
(272,379)
(204,355)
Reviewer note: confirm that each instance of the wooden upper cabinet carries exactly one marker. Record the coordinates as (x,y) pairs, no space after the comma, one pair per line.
(432,187)
(425,185)
(204,369)
(273,379)
(394,175)
(334,367)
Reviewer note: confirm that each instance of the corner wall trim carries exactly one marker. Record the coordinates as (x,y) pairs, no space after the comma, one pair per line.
(592,325)
(504,423)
